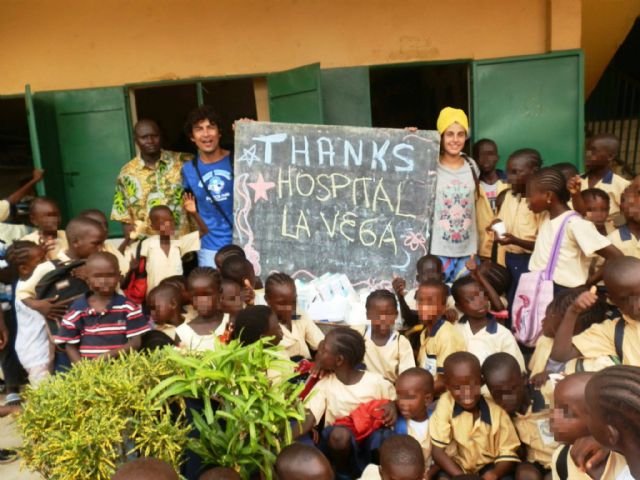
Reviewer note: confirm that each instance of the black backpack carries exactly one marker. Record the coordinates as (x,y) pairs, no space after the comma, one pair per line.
(61,282)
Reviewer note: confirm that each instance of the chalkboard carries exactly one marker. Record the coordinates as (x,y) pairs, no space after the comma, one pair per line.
(315,199)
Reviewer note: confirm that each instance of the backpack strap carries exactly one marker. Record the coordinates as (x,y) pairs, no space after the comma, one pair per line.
(215,203)
(555,251)
(561,463)
(473,166)
(618,337)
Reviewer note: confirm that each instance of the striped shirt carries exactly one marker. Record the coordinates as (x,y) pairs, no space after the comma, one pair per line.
(99,332)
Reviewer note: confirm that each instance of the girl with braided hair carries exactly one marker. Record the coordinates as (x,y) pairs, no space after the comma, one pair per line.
(613,401)
(547,195)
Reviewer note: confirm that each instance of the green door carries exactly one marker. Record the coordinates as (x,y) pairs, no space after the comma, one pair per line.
(43,133)
(295,96)
(94,130)
(346,97)
(534,101)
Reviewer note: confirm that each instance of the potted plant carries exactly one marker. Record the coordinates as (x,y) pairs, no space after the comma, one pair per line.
(246,403)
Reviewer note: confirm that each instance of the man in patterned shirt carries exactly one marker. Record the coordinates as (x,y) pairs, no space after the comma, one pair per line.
(152,178)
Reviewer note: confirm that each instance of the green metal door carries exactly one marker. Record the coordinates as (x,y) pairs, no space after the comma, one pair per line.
(346,97)
(43,133)
(295,96)
(93,128)
(534,101)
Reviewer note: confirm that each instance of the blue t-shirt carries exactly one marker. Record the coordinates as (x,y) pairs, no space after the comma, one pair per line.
(218,178)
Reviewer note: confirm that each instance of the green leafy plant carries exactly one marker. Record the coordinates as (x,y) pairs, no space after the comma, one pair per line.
(246,414)
(85,423)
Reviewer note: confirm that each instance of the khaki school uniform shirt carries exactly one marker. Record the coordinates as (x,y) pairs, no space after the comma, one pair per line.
(535,432)
(580,241)
(27,288)
(390,359)
(615,464)
(614,185)
(541,354)
(436,346)
(519,220)
(333,399)
(492,338)
(626,241)
(303,331)
(599,340)
(159,265)
(577,365)
(491,438)
(484,217)
(60,245)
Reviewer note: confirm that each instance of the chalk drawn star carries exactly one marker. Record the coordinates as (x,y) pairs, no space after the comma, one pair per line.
(261,188)
(249,155)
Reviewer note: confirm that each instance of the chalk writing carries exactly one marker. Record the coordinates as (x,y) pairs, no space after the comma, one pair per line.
(334,199)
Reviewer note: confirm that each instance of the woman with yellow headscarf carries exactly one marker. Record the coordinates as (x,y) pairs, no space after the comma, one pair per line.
(454,236)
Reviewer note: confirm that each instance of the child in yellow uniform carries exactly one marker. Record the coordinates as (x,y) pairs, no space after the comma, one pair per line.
(520,223)
(400,458)
(601,151)
(548,195)
(569,423)
(200,333)
(540,364)
(527,408)
(439,338)
(485,439)
(492,183)
(626,236)
(620,336)
(386,352)
(428,267)
(414,392)
(481,332)
(614,414)
(164,252)
(44,214)
(299,331)
(339,393)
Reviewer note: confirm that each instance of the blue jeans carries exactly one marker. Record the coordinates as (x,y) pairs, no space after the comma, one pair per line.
(206,258)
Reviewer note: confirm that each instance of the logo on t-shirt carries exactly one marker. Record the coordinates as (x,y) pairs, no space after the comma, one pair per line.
(216,181)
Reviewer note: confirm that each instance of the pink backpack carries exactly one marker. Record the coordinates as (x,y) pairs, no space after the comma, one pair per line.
(534,294)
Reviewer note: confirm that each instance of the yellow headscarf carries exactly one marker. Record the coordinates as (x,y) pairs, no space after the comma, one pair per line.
(448,116)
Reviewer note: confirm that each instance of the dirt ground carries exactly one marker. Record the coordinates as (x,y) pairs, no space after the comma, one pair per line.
(10,438)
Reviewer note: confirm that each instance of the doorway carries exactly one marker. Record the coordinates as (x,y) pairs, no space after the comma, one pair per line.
(16,161)
(170,104)
(413,95)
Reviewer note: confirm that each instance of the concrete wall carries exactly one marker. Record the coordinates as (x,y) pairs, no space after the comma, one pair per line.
(89,43)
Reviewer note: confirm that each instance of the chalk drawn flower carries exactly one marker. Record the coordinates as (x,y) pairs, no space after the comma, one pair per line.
(415,241)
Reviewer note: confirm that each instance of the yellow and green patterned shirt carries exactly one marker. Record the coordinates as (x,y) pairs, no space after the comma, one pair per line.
(139,188)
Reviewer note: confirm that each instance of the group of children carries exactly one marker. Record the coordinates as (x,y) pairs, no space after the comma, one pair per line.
(450,393)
